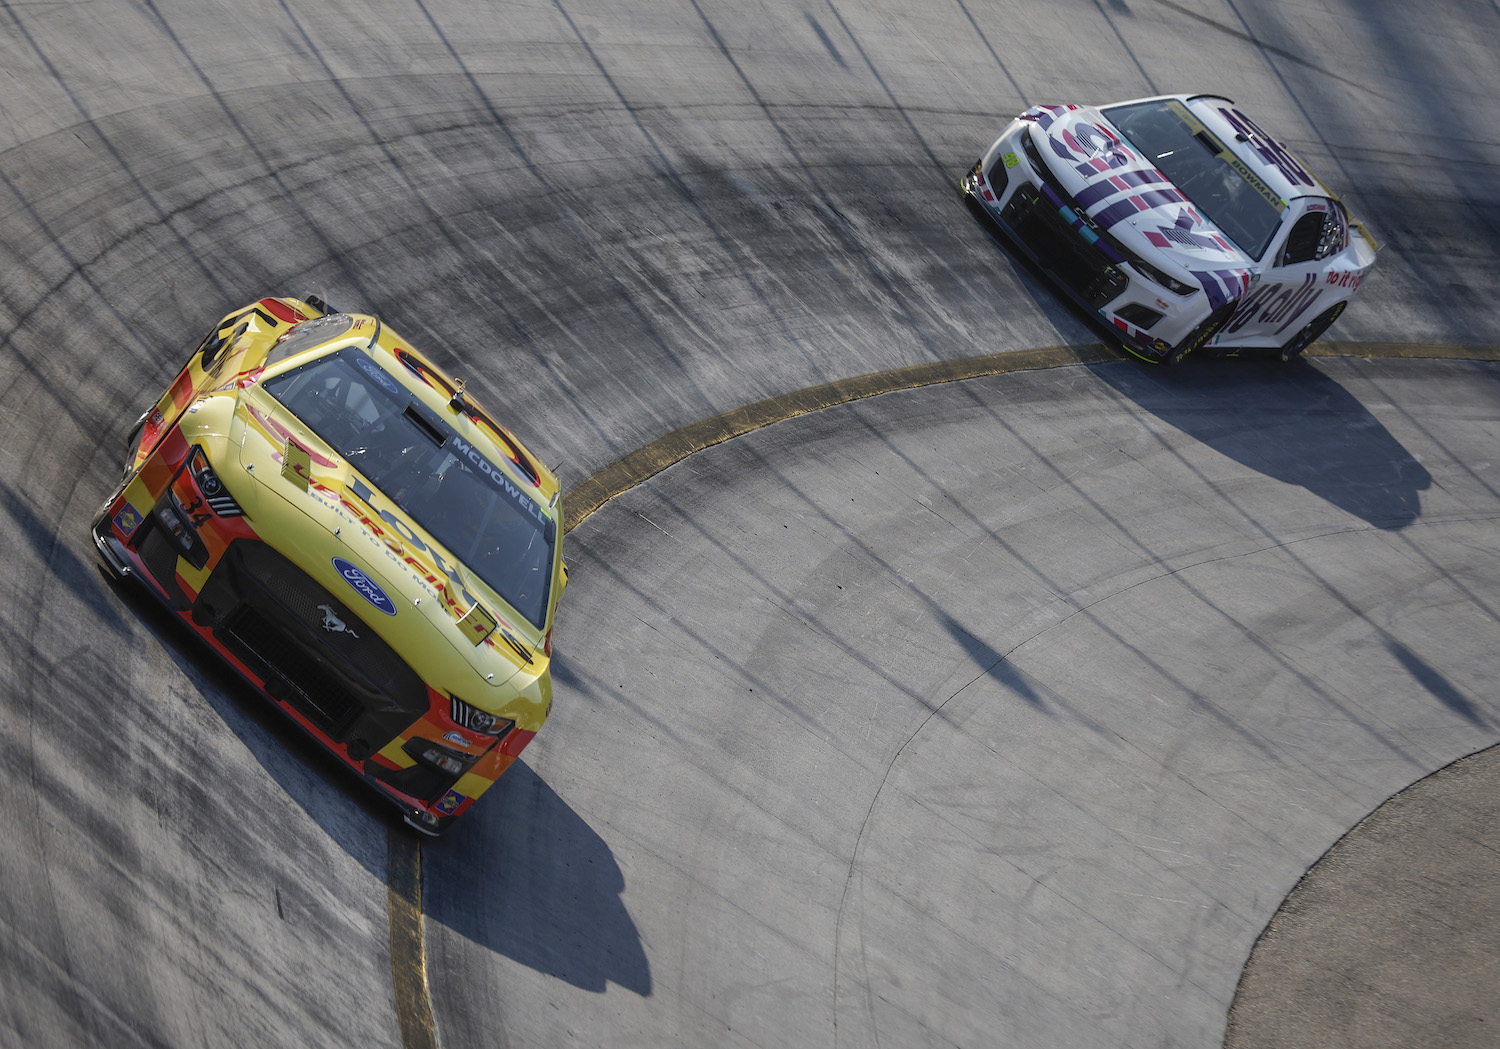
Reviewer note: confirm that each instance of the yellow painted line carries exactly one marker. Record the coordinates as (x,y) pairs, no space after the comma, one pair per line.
(408,945)
(408,949)
(650,459)
(1404,349)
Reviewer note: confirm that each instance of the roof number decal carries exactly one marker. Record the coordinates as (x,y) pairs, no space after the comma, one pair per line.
(1267,148)
(1200,131)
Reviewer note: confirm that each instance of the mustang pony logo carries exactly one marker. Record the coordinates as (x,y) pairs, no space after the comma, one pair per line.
(333,624)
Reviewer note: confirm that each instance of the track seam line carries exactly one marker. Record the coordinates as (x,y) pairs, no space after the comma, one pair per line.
(408,941)
(581,500)
(645,462)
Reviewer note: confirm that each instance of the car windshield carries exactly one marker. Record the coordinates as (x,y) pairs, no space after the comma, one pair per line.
(1244,208)
(427,468)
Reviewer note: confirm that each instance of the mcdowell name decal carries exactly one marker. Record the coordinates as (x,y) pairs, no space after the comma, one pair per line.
(498,480)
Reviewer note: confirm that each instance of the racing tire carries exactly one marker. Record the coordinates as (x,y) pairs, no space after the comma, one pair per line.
(412,819)
(133,440)
(1201,334)
(1309,335)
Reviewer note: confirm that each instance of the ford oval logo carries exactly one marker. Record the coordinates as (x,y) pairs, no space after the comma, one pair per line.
(377,373)
(365,586)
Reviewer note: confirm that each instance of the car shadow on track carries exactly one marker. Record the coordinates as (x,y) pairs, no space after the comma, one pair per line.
(1288,421)
(524,875)
(523,842)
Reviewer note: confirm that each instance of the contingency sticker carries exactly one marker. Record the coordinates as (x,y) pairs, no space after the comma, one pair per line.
(128,520)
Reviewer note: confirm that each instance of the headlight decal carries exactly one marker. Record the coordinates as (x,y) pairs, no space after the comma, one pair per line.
(174,517)
(214,492)
(471,717)
(1166,280)
(178,523)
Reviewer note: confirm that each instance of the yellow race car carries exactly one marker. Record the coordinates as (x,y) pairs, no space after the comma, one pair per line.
(356,537)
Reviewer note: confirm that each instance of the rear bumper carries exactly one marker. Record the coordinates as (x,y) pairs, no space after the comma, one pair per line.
(1025,207)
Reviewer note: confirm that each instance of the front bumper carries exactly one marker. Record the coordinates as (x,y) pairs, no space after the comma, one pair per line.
(1028,207)
(292,641)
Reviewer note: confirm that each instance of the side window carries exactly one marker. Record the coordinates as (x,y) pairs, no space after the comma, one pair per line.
(1302,243)
(1316,235)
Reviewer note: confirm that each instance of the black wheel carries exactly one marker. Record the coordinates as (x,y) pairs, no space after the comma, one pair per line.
(424,824)
(1309,335)
(133,442)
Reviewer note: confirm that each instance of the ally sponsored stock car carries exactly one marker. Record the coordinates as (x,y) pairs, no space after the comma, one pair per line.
(1178,221)
(358,539)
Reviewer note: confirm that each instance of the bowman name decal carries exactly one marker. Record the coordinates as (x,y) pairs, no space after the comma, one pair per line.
(364,586)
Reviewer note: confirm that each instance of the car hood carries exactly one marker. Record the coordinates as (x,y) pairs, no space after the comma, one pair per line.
(360,546)
(1123,193)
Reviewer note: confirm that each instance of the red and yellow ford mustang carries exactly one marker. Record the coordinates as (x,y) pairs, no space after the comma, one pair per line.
(356,537)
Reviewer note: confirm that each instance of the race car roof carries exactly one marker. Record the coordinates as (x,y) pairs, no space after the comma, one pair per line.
(1204,188)
(1264,155)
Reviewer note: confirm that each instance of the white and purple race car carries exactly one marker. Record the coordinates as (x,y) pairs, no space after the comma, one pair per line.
(1179,221)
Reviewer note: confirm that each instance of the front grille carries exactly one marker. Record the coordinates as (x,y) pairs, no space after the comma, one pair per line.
(331,622)
(1060,248)
(160,553)
(309,647)
(290,675)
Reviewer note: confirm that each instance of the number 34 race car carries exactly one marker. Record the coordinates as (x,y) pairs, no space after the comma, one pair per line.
(358,539)
(1178,221)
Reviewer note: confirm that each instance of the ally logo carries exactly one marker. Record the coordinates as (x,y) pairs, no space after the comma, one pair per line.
(364,586)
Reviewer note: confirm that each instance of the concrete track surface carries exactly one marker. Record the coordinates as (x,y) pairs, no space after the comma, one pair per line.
(1003,712)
